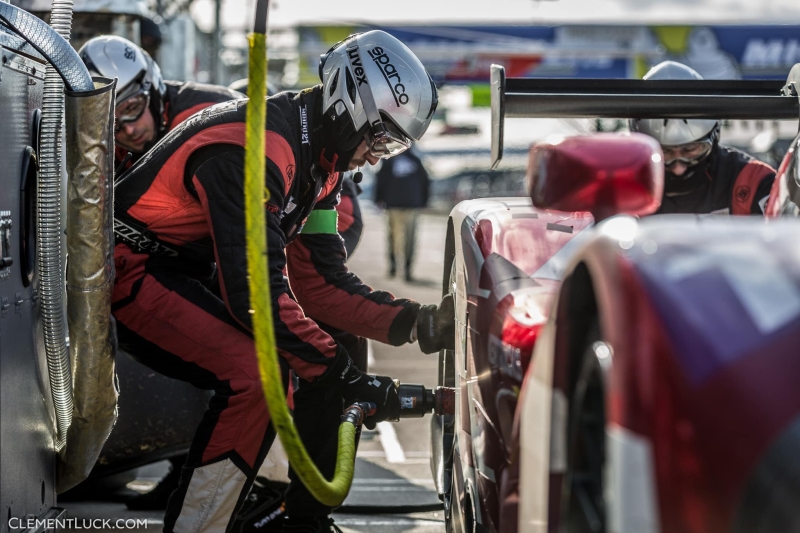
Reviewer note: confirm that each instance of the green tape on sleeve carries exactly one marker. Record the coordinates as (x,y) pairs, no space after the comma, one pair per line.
(321,221)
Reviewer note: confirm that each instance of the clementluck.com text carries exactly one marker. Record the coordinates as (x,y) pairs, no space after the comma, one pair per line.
(76,523)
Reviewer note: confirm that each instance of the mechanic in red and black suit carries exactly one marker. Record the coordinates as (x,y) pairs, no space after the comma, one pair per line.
(701,175)
(147,106)
(350,225)
(181,206)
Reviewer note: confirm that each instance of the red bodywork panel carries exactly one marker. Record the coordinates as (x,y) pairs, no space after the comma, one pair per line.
(695,371)
(518,276)
(606,173)
(784,198)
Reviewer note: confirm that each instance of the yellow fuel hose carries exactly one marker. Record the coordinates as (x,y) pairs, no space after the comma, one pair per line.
(331,493)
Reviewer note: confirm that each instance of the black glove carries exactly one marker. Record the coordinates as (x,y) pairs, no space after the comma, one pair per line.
(436,326)
(379,390)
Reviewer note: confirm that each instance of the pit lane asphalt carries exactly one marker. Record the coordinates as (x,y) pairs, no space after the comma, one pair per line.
(392,467)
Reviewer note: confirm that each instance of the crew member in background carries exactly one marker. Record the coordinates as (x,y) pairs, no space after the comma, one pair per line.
(702,175)
(147,107)
(401,188)
(182,207)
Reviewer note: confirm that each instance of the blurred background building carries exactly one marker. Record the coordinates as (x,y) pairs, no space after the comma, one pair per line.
(206,41)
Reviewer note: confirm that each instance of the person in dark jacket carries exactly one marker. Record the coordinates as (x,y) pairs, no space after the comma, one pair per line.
(401,189)
(701,175)
(180,211)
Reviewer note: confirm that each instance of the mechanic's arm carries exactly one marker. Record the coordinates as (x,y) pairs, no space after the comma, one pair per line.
(312,353)
(351,223)
(219,186)
(330,293)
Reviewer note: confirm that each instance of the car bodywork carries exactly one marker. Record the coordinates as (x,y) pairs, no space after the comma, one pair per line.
(699,322)
(507,259)
(659,394)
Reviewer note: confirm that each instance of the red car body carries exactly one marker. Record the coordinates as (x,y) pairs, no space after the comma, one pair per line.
(660,393)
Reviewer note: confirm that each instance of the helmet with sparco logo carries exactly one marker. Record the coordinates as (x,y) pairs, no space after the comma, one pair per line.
(374,88)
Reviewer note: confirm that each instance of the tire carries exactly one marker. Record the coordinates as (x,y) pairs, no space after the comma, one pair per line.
(583,504)
(443,427)
(459,516)
(769,504)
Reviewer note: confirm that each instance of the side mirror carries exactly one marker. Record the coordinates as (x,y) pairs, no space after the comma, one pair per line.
(605,173)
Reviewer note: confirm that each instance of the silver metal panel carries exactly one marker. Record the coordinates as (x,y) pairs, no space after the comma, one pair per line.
(27,455)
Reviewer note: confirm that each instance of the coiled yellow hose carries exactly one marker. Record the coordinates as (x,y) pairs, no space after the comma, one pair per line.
(331,493)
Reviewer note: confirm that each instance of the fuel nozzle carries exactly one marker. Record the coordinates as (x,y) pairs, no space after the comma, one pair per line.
(416,401)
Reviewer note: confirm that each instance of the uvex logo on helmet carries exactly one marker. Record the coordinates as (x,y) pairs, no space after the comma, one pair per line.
(358,68)
(390,74)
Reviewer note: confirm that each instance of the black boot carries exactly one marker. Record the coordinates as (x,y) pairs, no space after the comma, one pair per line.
(262,511)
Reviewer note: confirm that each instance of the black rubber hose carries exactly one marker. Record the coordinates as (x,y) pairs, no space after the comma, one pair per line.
(50,44)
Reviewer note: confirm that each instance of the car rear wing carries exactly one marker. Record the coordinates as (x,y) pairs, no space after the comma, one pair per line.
(625,98)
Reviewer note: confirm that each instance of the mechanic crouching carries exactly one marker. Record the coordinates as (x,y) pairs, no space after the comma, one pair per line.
(147,106)
(701,175)
(182,210)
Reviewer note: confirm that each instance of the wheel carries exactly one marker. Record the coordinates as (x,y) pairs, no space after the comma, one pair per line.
(443,427)
(769,502)
(459,515)
(449,525)
(583,504)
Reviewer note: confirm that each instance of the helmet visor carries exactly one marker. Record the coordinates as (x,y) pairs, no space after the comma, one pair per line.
(689,154)
(384,143)
(130,110)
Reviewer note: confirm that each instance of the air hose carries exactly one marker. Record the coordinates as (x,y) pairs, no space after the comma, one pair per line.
(333,492)
(415,400)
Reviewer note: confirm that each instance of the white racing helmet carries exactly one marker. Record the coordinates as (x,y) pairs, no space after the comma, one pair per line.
(375,87)
(675,132)
(138,75)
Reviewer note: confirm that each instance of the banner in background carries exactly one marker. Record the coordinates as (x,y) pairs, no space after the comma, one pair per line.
(462,54)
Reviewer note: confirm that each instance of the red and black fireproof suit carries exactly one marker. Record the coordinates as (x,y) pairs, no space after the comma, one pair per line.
(349,225)
(737,184)
(180,210)
(180,101)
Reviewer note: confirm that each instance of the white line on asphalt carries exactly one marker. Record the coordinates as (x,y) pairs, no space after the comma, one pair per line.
(370,355)
(392,481)
(397,522)
(409,488)
(379,453)
(388,437)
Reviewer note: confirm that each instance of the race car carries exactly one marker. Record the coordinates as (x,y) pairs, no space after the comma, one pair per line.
(785,194)
(626,374)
